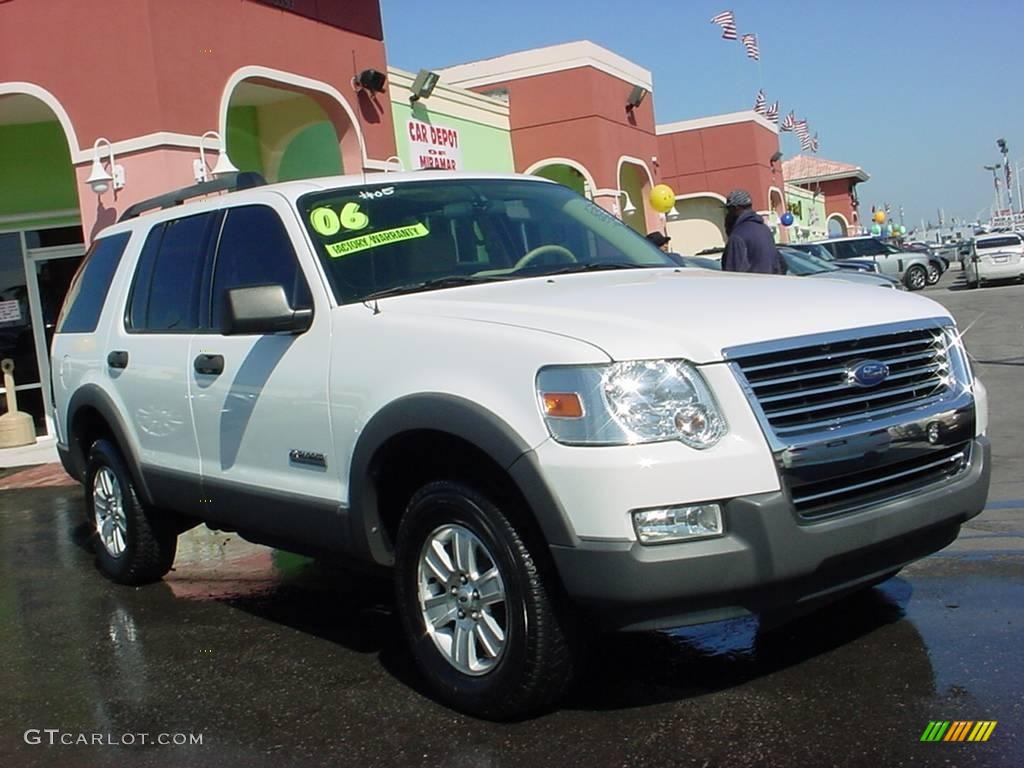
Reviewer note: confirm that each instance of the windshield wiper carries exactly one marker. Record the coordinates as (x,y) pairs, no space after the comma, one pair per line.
(427,285)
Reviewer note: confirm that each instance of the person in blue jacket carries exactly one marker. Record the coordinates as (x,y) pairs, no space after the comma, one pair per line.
(751,247)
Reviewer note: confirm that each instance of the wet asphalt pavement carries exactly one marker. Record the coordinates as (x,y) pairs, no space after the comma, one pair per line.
(275,660)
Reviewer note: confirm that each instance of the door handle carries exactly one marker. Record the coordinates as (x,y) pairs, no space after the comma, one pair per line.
(116,359)
(209,364)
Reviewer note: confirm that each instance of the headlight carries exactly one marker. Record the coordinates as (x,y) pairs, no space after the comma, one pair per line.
(956,356)
(643,401)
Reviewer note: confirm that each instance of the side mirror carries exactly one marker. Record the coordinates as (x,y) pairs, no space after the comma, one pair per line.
(261,309)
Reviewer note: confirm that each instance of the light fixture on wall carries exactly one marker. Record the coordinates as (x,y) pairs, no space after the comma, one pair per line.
(628,207)
(372,80)
(223,165)
(636,97)
(423,85)
(392,161)
(99,178)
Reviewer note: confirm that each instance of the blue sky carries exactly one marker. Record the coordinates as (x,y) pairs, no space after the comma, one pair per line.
(910,91)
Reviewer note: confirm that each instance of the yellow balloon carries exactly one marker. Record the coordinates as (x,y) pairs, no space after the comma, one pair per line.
(662,198)
(880,217)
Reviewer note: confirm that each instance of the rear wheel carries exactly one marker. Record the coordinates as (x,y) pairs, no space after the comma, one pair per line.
(916,277)
(134,544)
(477,612)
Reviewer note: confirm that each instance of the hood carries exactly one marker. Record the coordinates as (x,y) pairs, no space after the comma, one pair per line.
(858,278)
(655,313)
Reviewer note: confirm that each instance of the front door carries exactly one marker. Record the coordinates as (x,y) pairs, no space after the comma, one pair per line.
(33,283)
(260,401)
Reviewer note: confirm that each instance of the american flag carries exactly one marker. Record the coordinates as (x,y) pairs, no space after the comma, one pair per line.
(760,102)
(802,131)
(772,113)
(750,43)
(814,143)
(788,122)
(728,24)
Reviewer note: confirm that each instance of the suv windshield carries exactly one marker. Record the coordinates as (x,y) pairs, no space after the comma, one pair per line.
(815,249)
(385,238)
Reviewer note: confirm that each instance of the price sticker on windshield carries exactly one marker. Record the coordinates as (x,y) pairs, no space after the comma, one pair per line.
(326,221)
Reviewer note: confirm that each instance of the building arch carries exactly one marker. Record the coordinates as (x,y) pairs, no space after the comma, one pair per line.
(837,225)
(697,222)
(331,107)
(17,88)
(635,180)
(567,164)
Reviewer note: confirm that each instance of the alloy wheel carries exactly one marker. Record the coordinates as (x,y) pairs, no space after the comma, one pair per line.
(108,507)
(462,599)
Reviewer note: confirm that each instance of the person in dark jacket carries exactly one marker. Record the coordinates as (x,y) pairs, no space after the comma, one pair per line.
(751,247)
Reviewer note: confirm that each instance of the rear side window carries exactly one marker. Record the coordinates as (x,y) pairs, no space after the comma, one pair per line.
(88,290)
(1009,241)
(255,249)
(168,280)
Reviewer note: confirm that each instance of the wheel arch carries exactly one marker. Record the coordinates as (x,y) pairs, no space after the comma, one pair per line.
(92,414)
(424,427)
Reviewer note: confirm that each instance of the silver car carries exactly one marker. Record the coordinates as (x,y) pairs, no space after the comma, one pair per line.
(915,269)
(803,264)
(995,257)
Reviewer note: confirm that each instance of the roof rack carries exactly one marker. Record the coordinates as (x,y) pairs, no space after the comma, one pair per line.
(231,182)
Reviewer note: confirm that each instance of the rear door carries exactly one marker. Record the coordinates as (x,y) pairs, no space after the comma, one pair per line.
(260,401)
(146,356)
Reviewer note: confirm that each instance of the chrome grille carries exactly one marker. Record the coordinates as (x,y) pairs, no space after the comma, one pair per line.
(806,388)
(833,495)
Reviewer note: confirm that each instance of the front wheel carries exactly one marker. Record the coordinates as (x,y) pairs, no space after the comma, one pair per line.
(916,277)
(478,614)
(134,544)
(934,274)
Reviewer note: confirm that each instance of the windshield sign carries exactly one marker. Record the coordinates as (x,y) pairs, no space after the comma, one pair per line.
(399,238)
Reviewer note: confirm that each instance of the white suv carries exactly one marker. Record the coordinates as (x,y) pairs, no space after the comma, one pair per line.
(492,386)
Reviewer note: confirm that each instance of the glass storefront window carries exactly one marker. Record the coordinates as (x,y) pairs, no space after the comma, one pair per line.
(48,238)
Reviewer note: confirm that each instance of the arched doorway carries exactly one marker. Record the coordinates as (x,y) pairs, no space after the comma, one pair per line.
(698,223)
(837,225)
(286,128)
(634,188)
(41,238)
(776,207)
(566,172)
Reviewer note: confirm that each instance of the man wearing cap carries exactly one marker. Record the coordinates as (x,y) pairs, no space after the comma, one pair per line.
(659,239)
(751,247)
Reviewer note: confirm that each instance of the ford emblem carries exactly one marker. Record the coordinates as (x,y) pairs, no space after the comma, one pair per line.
(866,373)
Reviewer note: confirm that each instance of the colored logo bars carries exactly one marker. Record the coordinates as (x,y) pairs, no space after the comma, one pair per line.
(728,24)
(958,730)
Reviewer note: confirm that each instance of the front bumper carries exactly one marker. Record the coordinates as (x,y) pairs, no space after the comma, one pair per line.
(769,558)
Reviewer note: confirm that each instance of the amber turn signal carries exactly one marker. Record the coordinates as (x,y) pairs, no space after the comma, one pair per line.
(562,405)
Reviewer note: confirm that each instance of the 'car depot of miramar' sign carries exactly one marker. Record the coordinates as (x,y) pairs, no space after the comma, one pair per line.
(433,146)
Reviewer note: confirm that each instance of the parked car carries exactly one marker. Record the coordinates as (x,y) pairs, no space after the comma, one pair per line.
(821,252)
(995,257)
(802,264)
(916,270)
(500,393)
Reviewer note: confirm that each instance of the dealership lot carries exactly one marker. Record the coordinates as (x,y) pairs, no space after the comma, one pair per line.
(276,660)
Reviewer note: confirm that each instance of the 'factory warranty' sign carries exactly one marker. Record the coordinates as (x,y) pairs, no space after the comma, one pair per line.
(434,146)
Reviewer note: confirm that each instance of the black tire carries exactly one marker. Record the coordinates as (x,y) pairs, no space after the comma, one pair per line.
(934,274)
(916,277)
(150,538)
(537,665)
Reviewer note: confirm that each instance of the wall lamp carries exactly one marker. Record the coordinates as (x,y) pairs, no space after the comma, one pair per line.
(423,85)
(636,97)
(99,179)
(372,80)
(223,165)
(628,207)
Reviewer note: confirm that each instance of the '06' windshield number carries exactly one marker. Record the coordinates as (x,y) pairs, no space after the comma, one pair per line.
(327,222)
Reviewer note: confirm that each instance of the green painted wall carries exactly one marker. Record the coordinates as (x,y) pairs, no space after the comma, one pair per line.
(484,148)
(244,139)
(37,174)
(312,152)
(564,175)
